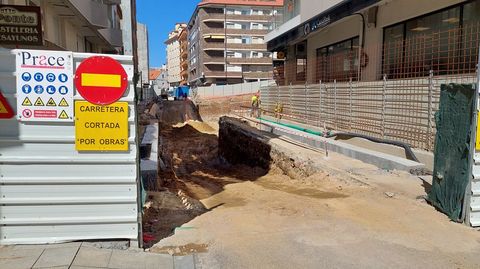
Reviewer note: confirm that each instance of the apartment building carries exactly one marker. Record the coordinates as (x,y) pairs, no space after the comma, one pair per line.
(183,41)
(173,55)
(342,40)
(75,25)
(226,41)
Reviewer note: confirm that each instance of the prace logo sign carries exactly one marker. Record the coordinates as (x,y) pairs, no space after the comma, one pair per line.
(42,61)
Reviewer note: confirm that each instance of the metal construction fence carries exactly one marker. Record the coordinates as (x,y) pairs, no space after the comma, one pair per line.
(395,109)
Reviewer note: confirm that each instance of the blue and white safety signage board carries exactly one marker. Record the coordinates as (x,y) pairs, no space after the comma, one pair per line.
(44,85)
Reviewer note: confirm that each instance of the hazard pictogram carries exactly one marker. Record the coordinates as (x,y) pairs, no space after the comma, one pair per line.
(27,113)
(39,102)
(51,102)
(27,102)
(63,102)
(63,115)
(6,112)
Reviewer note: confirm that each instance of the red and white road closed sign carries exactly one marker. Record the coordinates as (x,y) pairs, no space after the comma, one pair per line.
(101,80)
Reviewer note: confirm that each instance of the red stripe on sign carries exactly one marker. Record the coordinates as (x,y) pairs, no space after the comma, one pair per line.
(42,66)
(45,114)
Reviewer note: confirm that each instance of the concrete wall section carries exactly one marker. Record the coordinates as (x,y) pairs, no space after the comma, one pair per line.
(143,62)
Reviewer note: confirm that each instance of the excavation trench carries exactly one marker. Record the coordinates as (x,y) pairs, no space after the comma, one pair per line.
(199,159)
(191,170)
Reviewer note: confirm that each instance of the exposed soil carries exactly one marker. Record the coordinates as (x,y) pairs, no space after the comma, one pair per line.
(193,171)
(348,214)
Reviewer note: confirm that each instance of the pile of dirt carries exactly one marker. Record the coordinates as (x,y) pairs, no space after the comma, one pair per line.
(174,112)
(212,109)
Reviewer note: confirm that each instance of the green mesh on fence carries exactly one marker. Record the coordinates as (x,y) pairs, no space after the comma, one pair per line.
(452,148)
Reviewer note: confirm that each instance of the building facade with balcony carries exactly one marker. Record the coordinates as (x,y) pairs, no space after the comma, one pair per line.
(226,41)
(173,55)
(342,40)
(75,25)
(183,41)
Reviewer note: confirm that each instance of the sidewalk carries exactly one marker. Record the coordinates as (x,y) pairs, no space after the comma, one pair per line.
(83,255)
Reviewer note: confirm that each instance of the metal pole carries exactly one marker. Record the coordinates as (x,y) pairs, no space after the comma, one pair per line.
(319,103)
(430,100)
(306,113)
(384,103)
(350,103)
(335,103)
(290,98)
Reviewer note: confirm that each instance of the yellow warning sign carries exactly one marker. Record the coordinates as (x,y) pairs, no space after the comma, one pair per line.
(51,102)
(39,102)
(3,109)
(63,115)
(63,102)
(101,128)
(27,102)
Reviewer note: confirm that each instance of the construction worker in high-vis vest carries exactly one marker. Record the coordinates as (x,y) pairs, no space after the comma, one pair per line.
(255,105)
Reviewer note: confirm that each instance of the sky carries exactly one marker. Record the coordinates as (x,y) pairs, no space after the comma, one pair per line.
(160,17)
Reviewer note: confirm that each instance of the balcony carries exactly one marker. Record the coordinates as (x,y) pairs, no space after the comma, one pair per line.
(213,60)
(221,31)
(257,75)
(184,54)
(213,46)
(240,46)
(95,13)
(112,36)
(222,74)
(184,73)
(233,46)
(264,60)
(232,17)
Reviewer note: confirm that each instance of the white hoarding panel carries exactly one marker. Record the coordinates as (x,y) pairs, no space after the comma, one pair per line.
(49,191)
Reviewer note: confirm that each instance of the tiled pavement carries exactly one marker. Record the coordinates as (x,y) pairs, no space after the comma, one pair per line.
(85,256)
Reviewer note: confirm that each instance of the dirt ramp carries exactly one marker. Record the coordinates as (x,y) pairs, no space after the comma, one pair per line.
(174,112)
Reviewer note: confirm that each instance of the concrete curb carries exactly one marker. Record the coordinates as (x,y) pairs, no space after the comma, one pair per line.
(379,159)
(149,166)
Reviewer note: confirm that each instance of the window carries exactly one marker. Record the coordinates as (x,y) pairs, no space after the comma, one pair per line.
(444,42)
(254,54)
(301,70)
(338,61)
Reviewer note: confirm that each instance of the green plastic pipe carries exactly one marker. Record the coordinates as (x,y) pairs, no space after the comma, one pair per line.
(296,127)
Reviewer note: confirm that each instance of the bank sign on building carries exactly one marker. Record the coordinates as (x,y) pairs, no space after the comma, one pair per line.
(20,25)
